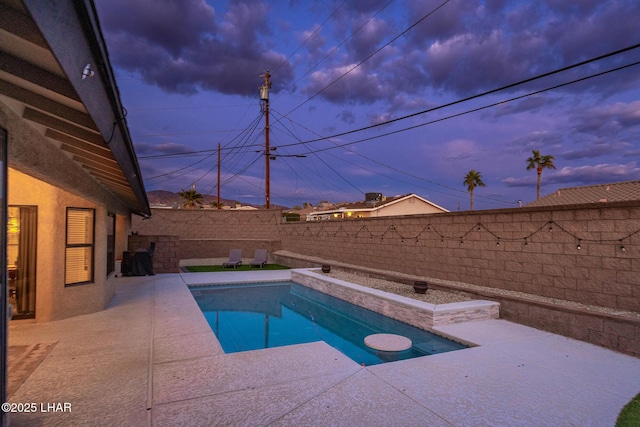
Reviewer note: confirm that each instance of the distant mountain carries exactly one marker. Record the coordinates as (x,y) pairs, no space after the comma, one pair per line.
(169,199)
(162,197)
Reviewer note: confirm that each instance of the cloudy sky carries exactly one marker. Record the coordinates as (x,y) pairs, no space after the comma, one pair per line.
(395,97)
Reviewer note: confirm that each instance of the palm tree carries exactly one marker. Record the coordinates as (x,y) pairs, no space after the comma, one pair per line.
(473,180)
(538,163)
(192,199)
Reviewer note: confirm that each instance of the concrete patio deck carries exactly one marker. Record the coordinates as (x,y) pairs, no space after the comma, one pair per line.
(151,359)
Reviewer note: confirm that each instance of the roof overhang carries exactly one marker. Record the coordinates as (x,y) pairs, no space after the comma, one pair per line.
(45,47)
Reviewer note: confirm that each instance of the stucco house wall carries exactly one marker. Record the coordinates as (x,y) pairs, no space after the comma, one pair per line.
(68,145)
(54,300)
(41,175)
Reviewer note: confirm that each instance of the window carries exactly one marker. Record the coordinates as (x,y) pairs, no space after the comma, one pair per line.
(79,246)
(111,242)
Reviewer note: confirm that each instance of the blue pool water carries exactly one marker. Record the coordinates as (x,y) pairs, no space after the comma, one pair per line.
(263,315)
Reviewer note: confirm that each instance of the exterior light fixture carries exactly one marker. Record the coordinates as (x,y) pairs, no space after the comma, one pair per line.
(498,242)
(579,245)
(87,72)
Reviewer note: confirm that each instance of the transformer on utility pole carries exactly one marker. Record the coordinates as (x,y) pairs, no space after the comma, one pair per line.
(264,103)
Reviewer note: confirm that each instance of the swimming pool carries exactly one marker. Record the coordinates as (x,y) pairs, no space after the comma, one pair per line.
(262,315)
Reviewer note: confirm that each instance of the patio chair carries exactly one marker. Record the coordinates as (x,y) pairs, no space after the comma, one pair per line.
(260,258)
(235,258)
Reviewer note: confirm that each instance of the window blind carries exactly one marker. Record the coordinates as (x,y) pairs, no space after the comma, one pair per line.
(79,246)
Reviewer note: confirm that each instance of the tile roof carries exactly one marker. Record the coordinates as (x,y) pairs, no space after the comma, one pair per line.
(615,192)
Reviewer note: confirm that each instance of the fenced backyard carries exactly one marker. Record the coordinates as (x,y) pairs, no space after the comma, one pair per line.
(569,270)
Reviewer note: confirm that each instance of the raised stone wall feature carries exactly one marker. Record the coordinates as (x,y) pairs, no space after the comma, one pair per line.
(416,313)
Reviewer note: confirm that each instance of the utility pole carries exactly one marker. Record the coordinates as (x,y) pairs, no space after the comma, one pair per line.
(264,101)
(218,175)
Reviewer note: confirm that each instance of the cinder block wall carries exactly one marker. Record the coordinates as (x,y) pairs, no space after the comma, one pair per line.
(572,254)
(166,257)
(211,233)
(219,248)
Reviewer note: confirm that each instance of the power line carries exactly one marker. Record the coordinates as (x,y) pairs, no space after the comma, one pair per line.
(375,52)
(178,170)
(153,135)
(250,129)
(339,45)
(245,146)
(311,35)
(195,107)
(322,160)
(172,175)
(401,172)
(459,101)
(453,116)
(429,110)
(468,111)
(479,95)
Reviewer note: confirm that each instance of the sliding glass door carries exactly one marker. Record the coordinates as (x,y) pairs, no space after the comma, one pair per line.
(22,227)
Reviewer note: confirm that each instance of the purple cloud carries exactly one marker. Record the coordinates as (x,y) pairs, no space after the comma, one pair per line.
(182,47)
(170,25)
(591,174)
(347,84)
(596,149)
(608,119)
(144,148)
(581,175)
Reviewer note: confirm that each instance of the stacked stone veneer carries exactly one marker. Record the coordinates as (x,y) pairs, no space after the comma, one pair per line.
(416,313)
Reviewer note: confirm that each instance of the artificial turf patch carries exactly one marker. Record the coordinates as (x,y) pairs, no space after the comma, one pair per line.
(245,267)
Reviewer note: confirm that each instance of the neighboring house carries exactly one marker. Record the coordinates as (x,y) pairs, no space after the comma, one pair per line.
(73,179)
(240,207)
(376,205)
(602,193)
